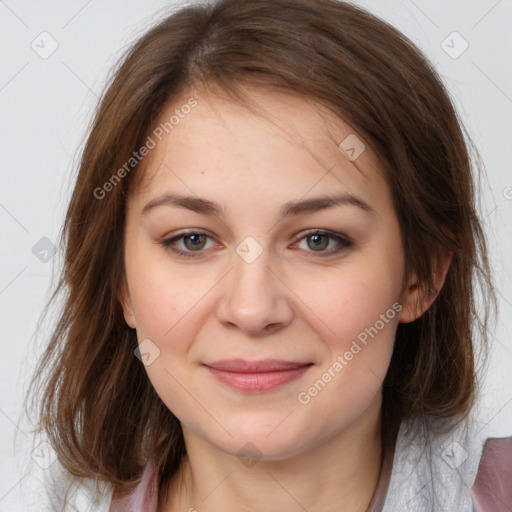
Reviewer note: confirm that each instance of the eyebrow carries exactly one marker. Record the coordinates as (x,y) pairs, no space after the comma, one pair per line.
(289,209)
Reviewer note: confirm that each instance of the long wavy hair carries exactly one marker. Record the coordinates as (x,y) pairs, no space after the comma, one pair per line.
(93,398)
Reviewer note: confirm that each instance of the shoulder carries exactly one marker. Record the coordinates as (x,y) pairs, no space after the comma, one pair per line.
(65,492)
(492,490)
(451,471)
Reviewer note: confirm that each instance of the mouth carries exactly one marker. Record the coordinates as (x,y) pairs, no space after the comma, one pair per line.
(256,376)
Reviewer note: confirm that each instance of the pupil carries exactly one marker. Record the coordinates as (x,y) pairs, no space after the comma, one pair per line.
(316,238)
(195,240)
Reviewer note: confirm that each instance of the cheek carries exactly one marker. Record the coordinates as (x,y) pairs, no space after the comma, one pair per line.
(167,301)
(170,309)
(168,312)
(357,321)
(356,361)
(352,302)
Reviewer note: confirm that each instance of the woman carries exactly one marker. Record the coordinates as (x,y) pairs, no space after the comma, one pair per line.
(270,252)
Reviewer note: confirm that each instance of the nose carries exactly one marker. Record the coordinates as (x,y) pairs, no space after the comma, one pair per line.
(255,299)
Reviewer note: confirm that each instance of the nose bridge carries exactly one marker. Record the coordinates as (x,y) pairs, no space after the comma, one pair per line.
(252,271)
(254,297)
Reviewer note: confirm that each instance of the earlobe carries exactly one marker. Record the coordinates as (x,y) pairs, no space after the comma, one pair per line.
(126,303)
(414,301)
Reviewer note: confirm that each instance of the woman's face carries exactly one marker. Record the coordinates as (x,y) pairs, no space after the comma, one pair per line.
(270,270)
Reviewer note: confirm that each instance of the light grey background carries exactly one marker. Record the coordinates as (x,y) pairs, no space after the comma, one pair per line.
(46,104)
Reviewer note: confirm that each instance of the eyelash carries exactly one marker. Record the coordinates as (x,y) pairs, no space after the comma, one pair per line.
(344,242)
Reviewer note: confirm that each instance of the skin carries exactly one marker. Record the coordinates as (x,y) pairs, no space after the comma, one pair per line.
(290,303)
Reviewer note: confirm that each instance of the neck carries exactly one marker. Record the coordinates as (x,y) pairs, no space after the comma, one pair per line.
(343,471)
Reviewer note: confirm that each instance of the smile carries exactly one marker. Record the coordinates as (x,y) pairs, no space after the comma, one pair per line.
(256,376)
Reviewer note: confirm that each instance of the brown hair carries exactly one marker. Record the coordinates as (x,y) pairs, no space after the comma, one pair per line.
(98,406)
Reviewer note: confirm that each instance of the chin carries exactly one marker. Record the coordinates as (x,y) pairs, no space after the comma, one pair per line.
(261,441)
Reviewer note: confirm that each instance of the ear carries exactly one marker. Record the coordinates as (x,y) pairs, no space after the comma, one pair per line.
(126,303)
(416,303)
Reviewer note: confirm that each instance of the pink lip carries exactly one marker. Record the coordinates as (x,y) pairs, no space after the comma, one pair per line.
(256,375)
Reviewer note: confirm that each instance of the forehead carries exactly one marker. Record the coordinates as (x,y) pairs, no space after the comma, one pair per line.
(277,142)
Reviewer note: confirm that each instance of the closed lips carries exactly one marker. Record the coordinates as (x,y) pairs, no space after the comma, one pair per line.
(264,366)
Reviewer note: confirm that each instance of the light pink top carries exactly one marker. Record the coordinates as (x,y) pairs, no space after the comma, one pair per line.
(491,492)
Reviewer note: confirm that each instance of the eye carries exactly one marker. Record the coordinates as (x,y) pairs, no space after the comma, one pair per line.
(193,242)
(320,240)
